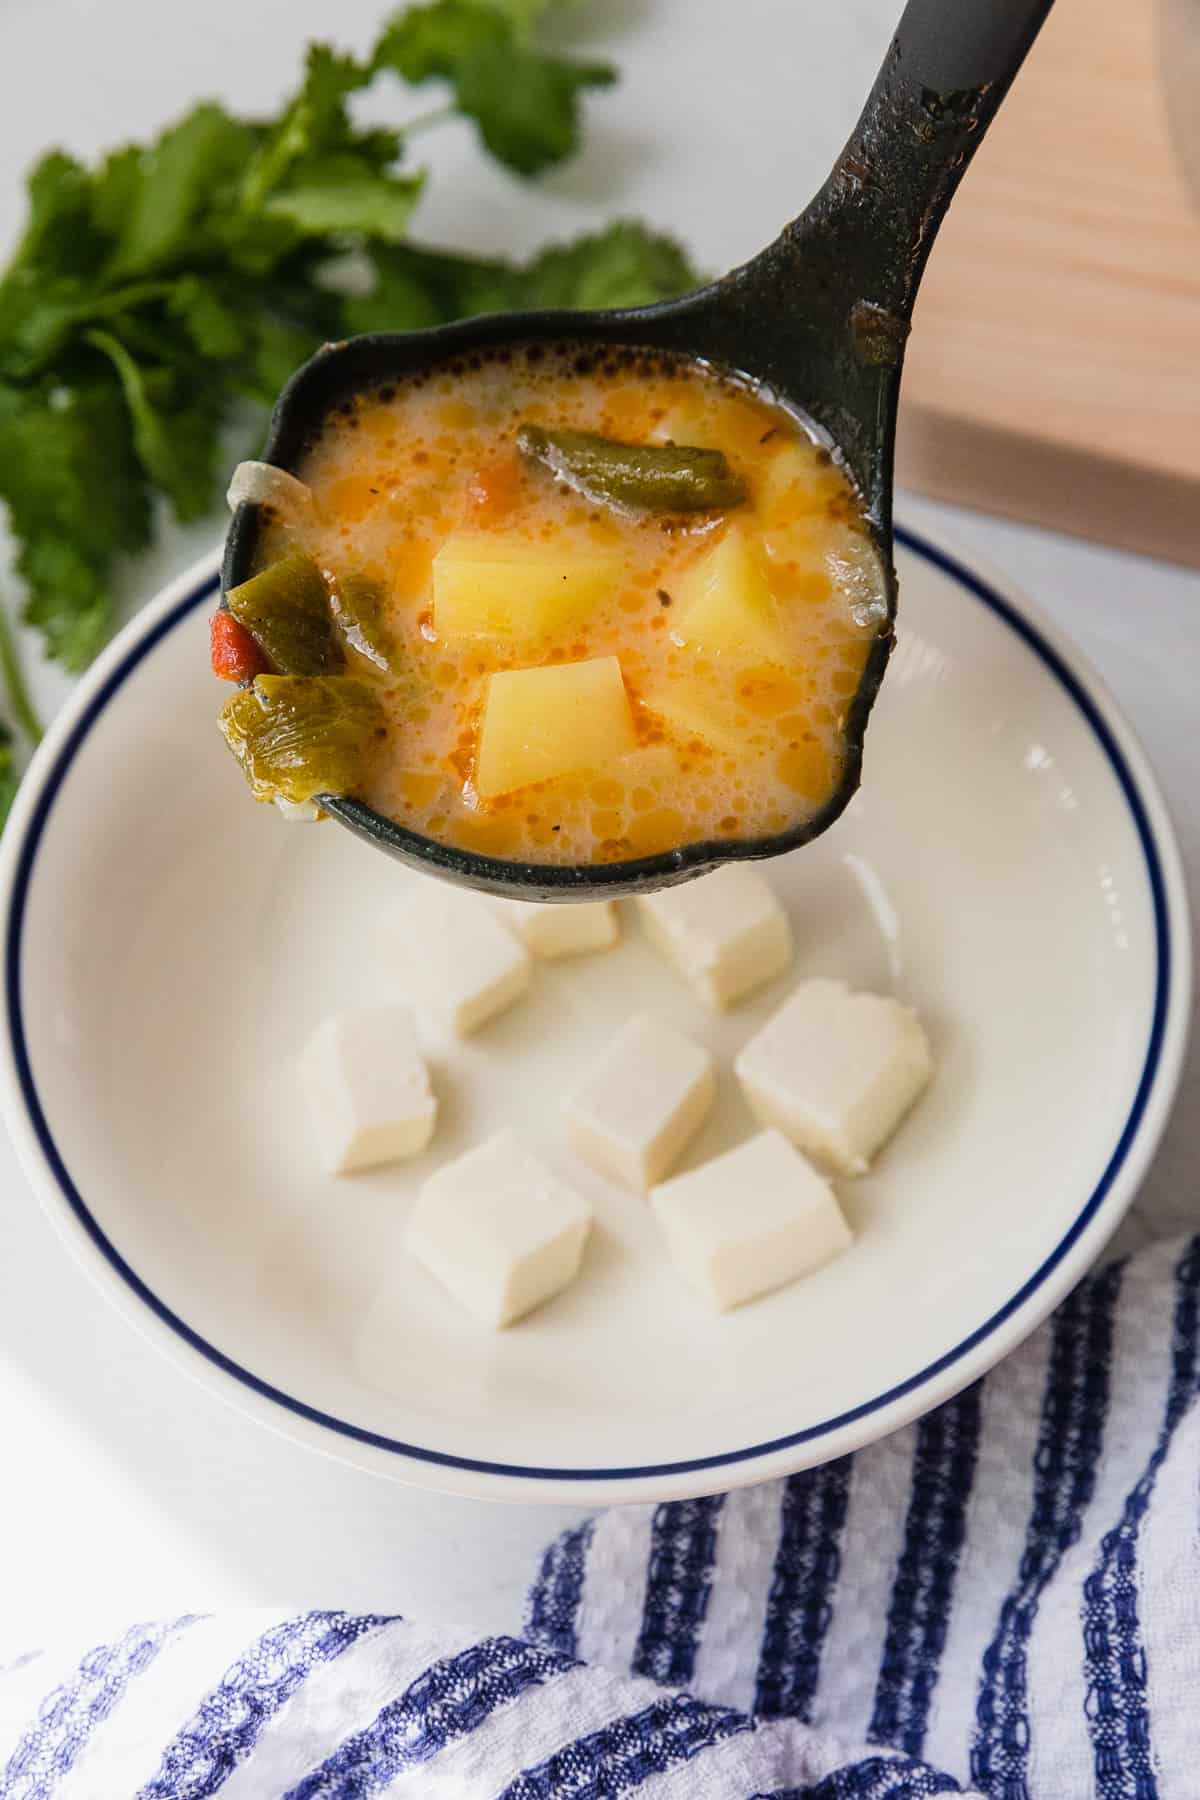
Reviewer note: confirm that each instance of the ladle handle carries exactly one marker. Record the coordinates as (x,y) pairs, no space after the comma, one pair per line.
(950,64)
(958,44)
(827,305)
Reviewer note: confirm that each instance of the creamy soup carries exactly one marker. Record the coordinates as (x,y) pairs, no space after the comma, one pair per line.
(560,607)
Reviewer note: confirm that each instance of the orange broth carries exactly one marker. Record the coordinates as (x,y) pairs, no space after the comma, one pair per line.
(734,731)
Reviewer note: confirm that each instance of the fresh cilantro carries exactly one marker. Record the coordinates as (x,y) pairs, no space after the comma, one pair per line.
(166,195)
(625,265)
(23,711)
(281,345)
(526,107)
(401,298)
(439,37)
(524,103)
(175,439)
(314,123)
(339,198)
(150,296)
(77,498)
(208,312)
(61,233)
(524,14)
(8,773)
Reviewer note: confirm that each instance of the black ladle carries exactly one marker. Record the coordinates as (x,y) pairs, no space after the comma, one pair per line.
(819,319)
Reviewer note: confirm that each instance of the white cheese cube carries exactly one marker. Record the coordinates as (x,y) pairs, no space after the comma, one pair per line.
(726,933)
(499,1229)
(642,1103)
(367,1088)
(749,1221)
(459,965)
(836,1071)
(568,929)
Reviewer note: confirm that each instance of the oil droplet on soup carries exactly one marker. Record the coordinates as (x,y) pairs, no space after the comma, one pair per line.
(573,678)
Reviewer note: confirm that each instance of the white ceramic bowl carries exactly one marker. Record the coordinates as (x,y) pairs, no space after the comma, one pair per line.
(1008,866)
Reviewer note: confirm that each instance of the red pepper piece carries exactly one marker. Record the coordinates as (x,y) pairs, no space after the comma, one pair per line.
(235,655)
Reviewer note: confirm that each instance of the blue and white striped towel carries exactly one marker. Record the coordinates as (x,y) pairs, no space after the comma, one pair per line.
(1003,1600)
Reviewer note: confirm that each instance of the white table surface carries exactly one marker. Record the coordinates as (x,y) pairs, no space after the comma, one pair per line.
(126,1490)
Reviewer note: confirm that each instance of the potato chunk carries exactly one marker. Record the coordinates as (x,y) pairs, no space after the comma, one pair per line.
(793,483)
(492,585)
(698,713)
(724,604)
(539,723)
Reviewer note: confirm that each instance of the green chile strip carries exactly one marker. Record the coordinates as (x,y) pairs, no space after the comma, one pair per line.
(297,736)
(360,608)
(285,608)
(655,478)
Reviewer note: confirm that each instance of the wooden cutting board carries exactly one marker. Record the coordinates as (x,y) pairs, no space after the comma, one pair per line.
(1054,367)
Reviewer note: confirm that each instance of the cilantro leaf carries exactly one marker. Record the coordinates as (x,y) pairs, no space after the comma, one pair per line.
(215,326)
(525,104)
(175,439)
(314,175)
(154,293)
(37,318)
(431,287)
(8,773)
(281,345)
(59,234)
(345,198)
(435,39)
(114,191)
(314,123)
(50,274)
(172,188)
(399,301)
(77,498)
(625,265)
(524,14)
(22,706)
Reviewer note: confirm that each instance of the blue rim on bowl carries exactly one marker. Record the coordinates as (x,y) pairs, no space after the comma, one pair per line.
(935,1382)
